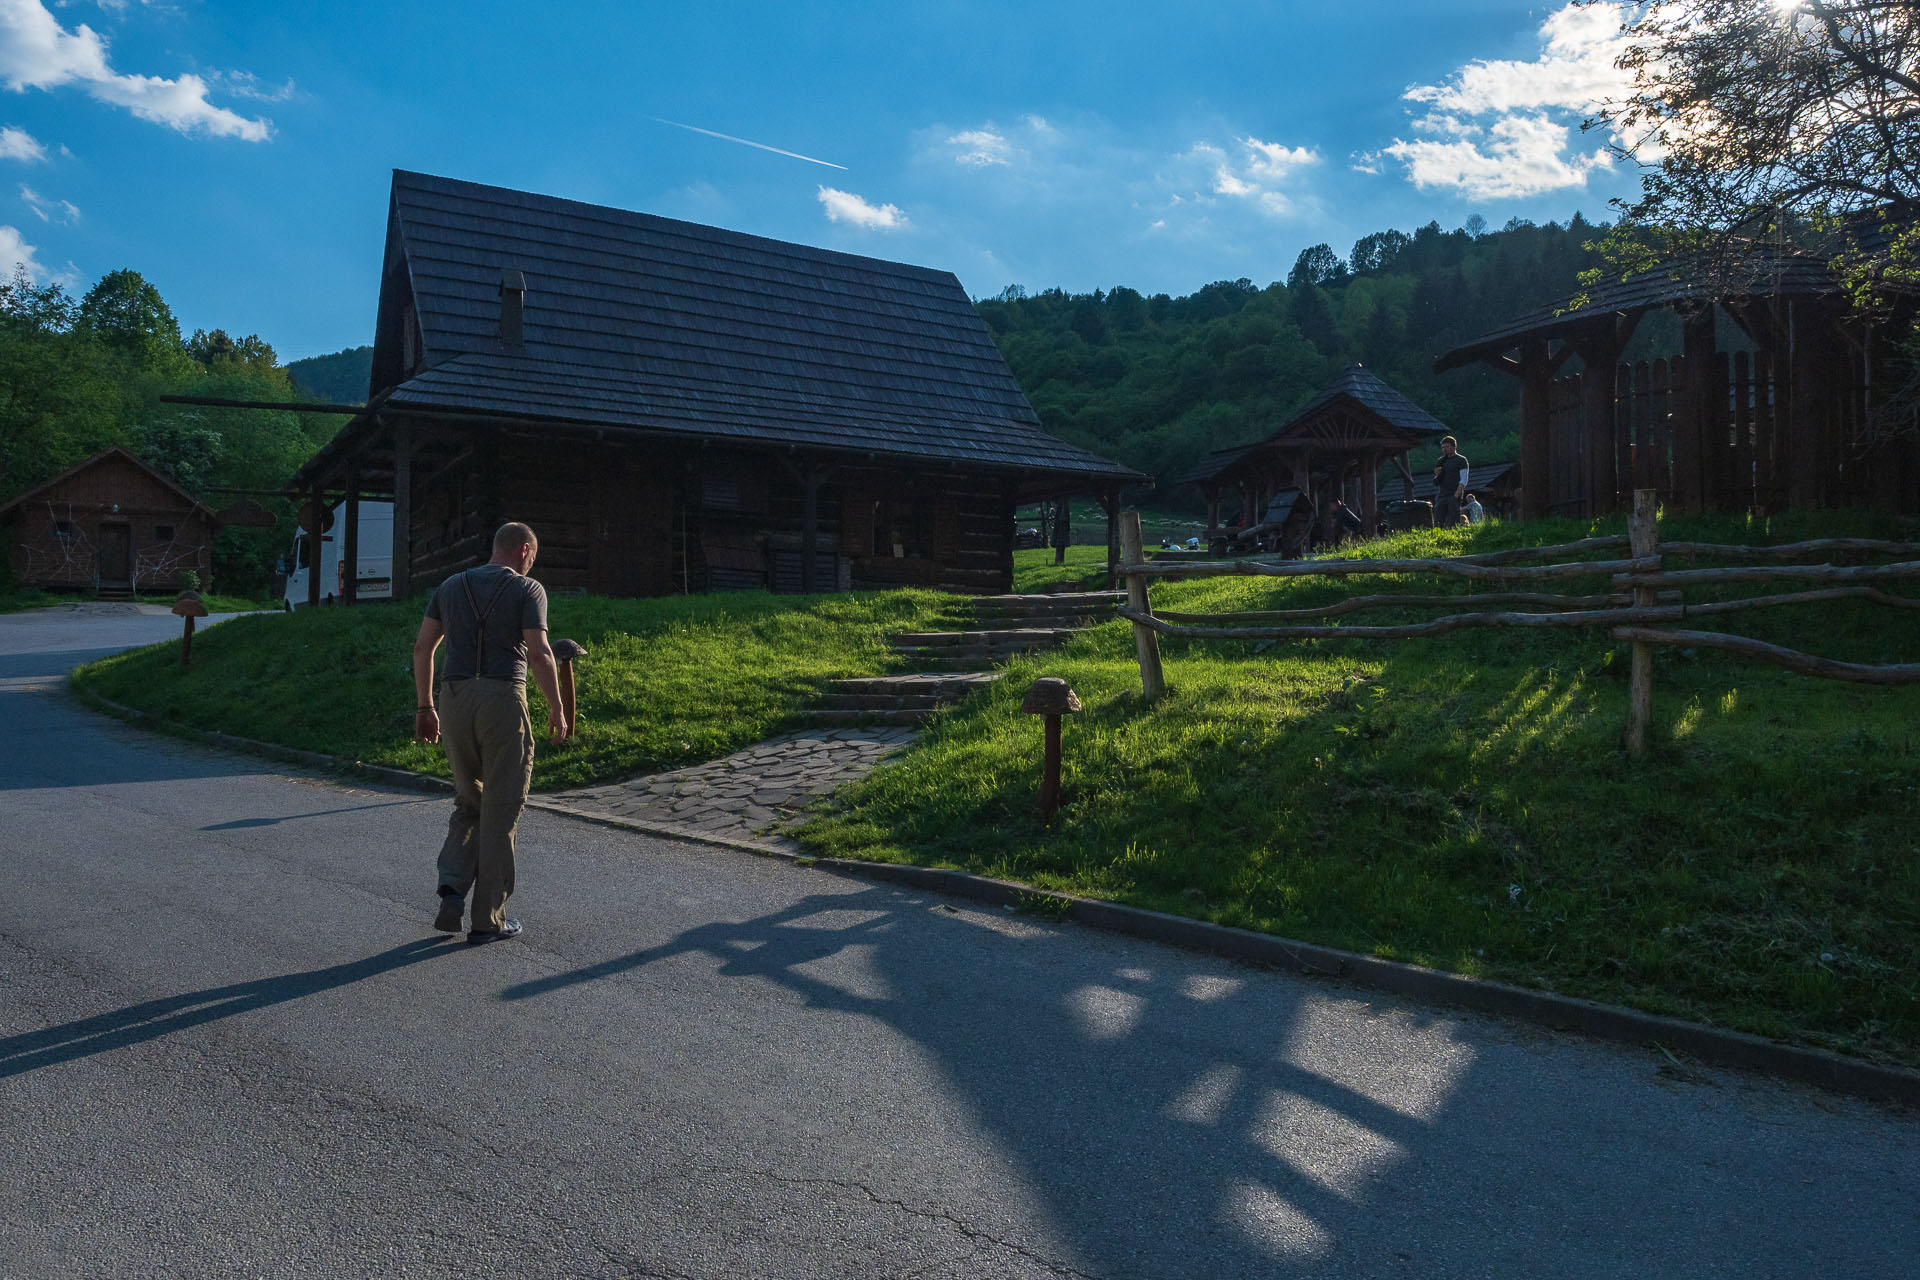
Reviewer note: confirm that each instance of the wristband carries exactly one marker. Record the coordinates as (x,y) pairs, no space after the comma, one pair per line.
(418,710)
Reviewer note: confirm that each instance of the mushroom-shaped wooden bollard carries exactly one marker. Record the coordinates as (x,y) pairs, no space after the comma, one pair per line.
(188,606)
(1051,697)
(564,652)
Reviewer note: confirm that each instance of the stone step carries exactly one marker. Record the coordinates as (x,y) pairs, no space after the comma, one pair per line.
(970,658)
(949,661)
(882,701)
(930,683)
(1052,600)
(1027,636)
(835,716)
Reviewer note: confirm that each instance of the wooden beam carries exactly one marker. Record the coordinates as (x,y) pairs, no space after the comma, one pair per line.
(402,510)
(1536,385)
(350,540)
(318,498)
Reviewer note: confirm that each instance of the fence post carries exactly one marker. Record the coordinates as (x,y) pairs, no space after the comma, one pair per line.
(1146,642)
(1644,533)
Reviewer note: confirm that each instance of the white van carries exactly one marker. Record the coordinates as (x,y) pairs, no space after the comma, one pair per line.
(375,576)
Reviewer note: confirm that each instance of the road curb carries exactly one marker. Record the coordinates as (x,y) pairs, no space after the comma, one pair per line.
(1706,1044)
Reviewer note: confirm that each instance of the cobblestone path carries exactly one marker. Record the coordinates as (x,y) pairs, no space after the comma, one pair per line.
(744,798)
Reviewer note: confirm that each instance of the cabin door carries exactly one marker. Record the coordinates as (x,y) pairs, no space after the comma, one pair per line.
(116,555)
(632,542)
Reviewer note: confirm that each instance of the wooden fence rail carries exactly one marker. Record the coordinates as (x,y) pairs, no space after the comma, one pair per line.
(1645,594)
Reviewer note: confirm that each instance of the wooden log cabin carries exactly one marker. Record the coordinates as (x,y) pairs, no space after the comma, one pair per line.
(1332,449)
(1765,405)
(680,408)
(110,526)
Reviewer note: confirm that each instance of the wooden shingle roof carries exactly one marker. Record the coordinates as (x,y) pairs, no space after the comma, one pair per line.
(639,321)
(1355,386)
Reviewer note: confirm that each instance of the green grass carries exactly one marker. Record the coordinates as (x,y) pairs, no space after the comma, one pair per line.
(33,598)
(1463,802)
(1034,569)
(665,682)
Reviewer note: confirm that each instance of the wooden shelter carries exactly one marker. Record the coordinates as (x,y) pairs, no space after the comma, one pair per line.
(676,407)
(1764,408)
(111,525)
(1333,449)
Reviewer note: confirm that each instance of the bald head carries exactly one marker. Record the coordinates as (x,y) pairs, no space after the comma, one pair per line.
(515,546)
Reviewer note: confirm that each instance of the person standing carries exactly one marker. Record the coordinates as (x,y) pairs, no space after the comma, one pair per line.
(1449,484)
(493,619)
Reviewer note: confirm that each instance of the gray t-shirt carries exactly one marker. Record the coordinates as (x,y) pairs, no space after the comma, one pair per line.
(482,613)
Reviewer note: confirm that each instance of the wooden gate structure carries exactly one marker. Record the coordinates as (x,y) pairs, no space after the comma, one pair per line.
(1777,421)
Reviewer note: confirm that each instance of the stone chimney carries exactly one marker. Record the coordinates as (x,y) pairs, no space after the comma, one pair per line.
(513,301)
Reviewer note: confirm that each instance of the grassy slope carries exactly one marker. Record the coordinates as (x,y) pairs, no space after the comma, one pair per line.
(1462,802)
(665,682)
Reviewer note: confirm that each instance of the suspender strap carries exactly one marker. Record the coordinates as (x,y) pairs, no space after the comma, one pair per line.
(480,620)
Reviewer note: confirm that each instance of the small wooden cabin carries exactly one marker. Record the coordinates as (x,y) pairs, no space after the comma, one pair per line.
(675,407)
(1496,484)
(111,525)
(1332,450)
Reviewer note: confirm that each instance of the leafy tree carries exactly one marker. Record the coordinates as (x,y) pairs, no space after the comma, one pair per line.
(1747,112)
(1317,264)
(1378,251)
(128,316)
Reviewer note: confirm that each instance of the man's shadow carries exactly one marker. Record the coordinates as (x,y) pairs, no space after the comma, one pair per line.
(152,1019)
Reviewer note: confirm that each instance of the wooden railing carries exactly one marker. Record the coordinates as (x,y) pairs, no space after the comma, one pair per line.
(1646,601)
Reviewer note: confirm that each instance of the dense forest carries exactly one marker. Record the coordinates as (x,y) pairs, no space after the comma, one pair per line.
(1152,381)
(1156,382)
(80,375)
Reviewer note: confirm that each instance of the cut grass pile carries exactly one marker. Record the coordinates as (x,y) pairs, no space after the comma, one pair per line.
(1463,802)
(665,682)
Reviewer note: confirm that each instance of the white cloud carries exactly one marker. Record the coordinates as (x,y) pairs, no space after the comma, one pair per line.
(1520,155)
(49,210)
(245,84)
(844,206)
(1254,175)
(1497,116)
(18,144)
(14,249)
(980,147)
(37,52)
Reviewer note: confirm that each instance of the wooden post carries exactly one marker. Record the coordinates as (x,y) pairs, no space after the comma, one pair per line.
(1146,642)
(1111,501)
(1644,532)
(318,504)
(1370,496)
(809,521)
(1536,389)
(186,643)
(1050,771)
(350,541)
(402,511)
(1599,353)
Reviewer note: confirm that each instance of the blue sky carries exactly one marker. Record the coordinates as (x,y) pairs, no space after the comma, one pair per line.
(238,155)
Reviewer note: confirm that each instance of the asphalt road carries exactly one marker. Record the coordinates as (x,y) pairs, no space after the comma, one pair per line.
(230,1044)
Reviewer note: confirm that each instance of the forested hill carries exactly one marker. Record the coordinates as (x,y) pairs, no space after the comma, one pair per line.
(1156,382)
(340,378)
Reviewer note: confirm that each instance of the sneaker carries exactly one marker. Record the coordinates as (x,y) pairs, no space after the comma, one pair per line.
(452,908)
(509,928)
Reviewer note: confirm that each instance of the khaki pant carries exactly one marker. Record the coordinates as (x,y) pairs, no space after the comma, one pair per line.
(489,740)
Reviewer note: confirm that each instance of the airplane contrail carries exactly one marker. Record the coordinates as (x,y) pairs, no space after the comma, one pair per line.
(745,142)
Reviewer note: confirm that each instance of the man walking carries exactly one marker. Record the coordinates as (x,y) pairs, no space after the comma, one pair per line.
(494,621)
(1449,484)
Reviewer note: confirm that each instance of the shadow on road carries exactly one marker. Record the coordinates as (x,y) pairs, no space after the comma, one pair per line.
(242,824)
(1114,1091)
(152,1019)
